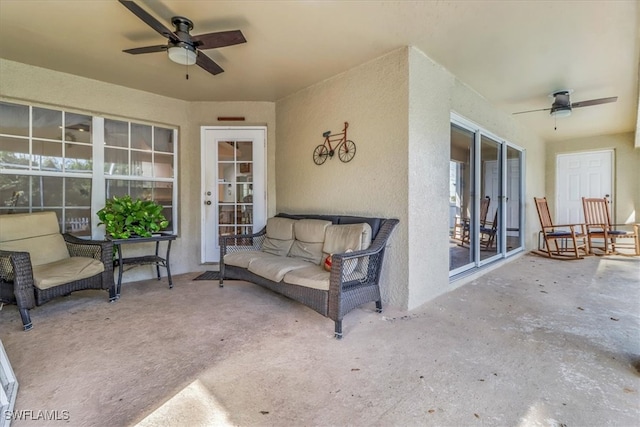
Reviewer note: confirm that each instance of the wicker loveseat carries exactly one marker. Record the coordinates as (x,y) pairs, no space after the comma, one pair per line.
(288,256)
(38,263)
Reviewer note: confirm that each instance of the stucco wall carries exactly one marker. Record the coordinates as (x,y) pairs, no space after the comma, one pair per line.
(430,88)
(626,166)
(398,107)
(373,99)
(39,86)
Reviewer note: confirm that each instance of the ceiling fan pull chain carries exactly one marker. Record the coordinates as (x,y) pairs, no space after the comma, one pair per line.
(187,70)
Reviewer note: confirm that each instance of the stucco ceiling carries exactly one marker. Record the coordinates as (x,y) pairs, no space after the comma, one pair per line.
(514,53)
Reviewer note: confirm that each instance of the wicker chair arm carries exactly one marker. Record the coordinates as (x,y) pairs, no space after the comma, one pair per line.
(100,250)
(370,258)
(19,271)
(230,243)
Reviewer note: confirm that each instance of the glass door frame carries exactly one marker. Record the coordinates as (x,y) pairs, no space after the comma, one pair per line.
(476,180)
(210,136)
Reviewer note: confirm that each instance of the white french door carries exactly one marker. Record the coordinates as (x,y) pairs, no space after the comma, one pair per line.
(578,175)
(233,184)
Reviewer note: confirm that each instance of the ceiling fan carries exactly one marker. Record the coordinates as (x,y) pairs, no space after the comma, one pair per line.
(562,104)
(182,47)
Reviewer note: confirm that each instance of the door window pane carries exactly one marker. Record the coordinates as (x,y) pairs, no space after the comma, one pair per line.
(235,188)
(490,189)
(514,197)
(460,201)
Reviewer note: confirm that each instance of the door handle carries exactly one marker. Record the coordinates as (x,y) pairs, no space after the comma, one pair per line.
(208,202)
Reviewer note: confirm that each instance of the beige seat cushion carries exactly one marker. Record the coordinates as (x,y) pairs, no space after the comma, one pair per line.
(64,271)
(243,258)
(279,236)
(313,276)
(275,267)
(309,239)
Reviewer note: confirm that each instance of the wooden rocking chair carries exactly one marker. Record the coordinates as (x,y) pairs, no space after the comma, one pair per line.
(560,241)
(462,227)
(598,222)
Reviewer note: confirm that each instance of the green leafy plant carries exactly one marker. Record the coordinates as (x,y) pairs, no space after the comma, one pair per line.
(124,217)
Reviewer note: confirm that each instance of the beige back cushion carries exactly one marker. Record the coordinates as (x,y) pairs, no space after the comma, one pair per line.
(279,236)
(309,239)
(37,233)
(339,238)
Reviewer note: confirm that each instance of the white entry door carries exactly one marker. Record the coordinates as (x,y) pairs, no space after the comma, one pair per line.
(233,184)
(579,175)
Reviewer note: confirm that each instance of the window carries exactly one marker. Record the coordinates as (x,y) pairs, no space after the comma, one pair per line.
(64,161)
(139,161)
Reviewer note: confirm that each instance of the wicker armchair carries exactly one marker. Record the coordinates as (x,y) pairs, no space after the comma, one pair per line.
(38,263)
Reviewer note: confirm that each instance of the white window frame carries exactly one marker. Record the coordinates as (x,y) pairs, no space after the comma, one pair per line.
(97,174)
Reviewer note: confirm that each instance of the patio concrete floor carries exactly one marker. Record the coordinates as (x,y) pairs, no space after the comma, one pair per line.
(536,342)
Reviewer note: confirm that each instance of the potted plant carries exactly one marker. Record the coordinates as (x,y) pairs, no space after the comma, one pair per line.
(124,217)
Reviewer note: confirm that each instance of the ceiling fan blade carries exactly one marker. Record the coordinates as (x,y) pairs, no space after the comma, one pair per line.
(148,19)
(207,63)
(532,111)
(146,49)
(594,102)
(220,39)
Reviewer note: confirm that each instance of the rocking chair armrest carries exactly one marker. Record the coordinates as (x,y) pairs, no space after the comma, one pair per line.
(596,225)
(634,226)
(566,225)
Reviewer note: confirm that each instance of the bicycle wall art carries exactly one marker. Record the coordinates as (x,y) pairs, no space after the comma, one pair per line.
(346,148)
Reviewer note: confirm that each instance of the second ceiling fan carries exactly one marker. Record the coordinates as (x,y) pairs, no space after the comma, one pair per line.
(562,104)
(182,47)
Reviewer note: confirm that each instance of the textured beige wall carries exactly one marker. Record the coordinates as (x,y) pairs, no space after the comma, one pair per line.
(626,166)
(398,107)
(430,88)
(39,86)
(373,99)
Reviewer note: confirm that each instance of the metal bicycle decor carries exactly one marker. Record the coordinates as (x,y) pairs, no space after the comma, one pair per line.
(346,148)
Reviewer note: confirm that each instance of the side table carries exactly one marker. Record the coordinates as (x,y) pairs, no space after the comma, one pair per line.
(155,259)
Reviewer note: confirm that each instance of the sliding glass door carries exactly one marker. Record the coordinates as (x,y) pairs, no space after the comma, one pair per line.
(485,203)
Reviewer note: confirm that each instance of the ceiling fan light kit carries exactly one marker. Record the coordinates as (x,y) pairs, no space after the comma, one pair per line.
(562,105)
(182,54)
(560,112)
(183,48)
